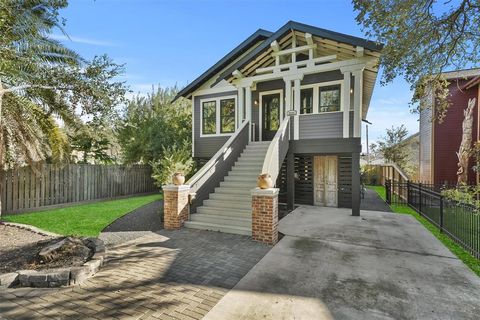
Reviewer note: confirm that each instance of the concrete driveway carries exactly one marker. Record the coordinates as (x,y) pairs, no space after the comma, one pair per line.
(330,265)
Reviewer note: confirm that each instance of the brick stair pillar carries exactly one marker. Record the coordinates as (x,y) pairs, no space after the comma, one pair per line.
(265,215)
(175,206)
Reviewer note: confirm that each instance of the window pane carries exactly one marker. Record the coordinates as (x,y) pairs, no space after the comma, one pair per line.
(306,101)
(329,99)
(227,116)
(209,117)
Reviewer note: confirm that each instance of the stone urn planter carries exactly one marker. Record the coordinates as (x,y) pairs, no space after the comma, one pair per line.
(178,179)
(264,181)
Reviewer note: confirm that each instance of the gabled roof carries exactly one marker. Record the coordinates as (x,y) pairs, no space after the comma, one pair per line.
(292,25)
(258,35)
(268,38)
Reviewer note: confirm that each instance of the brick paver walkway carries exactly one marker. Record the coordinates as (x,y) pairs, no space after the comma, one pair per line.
(170,275)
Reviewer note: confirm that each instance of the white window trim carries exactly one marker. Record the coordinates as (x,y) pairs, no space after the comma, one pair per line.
(316,99)
(260,109)
(217,116)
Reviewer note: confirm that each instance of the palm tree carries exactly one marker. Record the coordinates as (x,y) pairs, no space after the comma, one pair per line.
(42,82)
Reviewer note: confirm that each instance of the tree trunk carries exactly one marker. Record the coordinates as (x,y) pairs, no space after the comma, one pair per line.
(2,156)
(463,153)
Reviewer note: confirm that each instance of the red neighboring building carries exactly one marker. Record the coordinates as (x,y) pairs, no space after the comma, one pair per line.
(439,142)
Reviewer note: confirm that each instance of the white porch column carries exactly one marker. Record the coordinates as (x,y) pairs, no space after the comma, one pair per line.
(346,104)
(240,103)
(357,103)
(288,96)
(296,105)
(248,110)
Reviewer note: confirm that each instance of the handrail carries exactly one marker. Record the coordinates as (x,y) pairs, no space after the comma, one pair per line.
(222,152)
(277,150)
(398,169)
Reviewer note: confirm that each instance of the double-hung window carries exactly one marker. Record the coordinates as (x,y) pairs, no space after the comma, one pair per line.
(218,116)
(306,101)
(209,117)
(329,99)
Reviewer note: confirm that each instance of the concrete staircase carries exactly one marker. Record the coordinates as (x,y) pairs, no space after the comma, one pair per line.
(229,208)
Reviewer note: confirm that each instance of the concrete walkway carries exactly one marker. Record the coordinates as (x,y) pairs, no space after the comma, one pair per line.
(373,202)
(330,265)
(164,275)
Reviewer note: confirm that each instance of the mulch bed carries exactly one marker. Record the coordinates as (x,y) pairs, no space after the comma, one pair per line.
(19,249)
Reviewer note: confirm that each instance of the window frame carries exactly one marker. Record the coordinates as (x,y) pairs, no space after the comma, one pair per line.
(316,96)
(339,97)
(217,101)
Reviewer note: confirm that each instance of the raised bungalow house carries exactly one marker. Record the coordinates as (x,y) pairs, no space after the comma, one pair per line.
(440,141)
(289,103)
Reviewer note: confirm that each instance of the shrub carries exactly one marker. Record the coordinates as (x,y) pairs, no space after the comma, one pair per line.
(175,159)
(369,175)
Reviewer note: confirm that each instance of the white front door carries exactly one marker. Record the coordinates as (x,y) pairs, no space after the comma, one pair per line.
(325,181)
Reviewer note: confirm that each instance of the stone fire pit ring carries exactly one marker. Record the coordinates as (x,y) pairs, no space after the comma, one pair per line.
(52,278)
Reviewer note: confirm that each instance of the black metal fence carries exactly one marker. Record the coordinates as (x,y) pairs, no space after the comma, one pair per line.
(459,221)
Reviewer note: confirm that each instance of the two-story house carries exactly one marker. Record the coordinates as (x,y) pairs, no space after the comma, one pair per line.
(289,103)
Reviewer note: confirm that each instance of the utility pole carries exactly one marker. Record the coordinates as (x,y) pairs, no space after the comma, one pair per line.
(366,134)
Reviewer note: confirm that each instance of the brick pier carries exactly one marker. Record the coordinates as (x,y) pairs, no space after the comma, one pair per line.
(265,215)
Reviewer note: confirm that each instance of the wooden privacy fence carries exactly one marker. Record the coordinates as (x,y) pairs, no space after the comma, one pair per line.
(24,189)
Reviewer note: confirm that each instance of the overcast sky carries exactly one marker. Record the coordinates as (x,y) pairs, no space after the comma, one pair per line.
(172,42)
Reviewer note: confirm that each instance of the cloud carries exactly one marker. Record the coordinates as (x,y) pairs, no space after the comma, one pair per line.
(93,42)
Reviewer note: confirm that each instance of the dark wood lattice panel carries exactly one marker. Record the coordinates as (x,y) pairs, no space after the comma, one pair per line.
(304,179)
(345,182)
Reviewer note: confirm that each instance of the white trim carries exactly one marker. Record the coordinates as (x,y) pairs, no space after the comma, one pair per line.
(193,126)
(357,103)
(296,65)
(217,116)
(346,102)
(248,110)
(214,90)
(260,109)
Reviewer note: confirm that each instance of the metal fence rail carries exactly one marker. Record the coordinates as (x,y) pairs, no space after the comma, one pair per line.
(25,189)
(459,221)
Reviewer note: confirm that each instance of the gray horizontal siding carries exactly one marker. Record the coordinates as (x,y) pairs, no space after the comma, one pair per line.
(206,147)
(321,125)
(322,77)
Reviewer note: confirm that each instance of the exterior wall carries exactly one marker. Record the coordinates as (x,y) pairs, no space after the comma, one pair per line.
(426,135)
(326,125)
(304,150)
(206,147)
(447,135)
(322,77)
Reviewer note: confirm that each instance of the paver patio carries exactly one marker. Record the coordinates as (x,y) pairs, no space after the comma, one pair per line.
(165,275)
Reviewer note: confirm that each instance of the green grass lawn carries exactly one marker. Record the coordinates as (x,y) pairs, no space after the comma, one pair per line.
(82,220)
(472,262)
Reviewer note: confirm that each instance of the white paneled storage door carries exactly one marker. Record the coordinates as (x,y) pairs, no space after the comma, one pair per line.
(325,182)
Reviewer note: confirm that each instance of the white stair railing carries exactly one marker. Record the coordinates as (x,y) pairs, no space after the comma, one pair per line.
(277,150)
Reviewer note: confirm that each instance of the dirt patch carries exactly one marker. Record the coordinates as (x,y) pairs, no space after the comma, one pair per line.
(20,248)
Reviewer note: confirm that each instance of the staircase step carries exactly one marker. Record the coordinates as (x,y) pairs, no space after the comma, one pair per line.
(221,220)
(241,178)
(239,184)
(220,228)
(228,204)
(234,191)
(231,196)
(242,213)
(245,173)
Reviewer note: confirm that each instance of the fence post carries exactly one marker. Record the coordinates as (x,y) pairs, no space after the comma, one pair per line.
(441,213)
(408,192)
(420,197)
(388,190)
